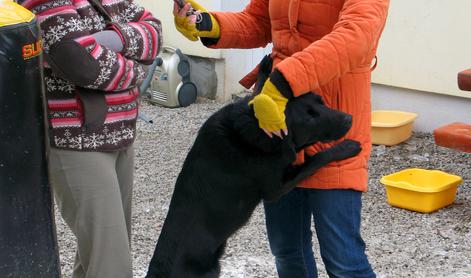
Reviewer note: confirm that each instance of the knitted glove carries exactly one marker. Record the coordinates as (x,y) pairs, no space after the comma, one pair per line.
(206,26)
(269,107)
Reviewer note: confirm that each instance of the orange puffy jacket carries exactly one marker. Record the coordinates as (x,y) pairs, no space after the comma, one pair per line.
(321,46)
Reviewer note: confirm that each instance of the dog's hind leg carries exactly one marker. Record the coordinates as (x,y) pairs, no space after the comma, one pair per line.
(200,262)
(187,247)
(169,245)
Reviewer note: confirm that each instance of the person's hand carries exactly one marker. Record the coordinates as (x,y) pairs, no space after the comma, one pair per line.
(195,25)
(269,107)
(110,39)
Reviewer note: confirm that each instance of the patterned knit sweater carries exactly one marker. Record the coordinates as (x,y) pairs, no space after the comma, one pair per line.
(70,23)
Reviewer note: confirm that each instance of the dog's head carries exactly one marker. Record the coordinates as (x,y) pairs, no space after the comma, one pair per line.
(309,121)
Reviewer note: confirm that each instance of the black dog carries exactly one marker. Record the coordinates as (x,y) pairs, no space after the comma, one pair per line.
(231,167)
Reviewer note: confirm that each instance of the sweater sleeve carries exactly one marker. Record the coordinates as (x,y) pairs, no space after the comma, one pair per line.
(141,34)
(250,28)
(74,54)
(354,37)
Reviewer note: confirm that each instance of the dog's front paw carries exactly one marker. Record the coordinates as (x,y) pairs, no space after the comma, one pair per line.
(346,149)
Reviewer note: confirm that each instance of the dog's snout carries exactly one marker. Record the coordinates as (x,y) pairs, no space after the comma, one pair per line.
(342,120)
(347,121)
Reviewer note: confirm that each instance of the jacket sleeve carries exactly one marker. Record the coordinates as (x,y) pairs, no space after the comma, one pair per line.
(353,39)
(74,54)
(250,28)
(141,35)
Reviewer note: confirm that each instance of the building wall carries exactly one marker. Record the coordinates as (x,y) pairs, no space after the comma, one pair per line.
(423,47)
(419,58)
(163,10)
(238,62)
(231,65)
(434,110)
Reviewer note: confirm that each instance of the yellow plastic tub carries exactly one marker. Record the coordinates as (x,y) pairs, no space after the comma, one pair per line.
(421,190)
(391,127)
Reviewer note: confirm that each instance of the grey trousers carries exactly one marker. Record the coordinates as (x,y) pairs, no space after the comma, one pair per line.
(93,191)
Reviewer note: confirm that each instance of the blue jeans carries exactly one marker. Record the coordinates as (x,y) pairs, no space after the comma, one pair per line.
(337,216)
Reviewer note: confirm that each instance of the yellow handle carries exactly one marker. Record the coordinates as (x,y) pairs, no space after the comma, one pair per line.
(12,13)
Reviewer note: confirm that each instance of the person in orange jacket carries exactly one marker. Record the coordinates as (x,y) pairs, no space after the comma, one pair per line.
(325,47)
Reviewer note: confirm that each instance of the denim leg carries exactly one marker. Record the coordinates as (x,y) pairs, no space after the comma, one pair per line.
(289,233)
(337,217)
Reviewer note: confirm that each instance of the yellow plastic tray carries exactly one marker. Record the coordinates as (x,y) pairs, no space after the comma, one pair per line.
(391,127)
(421,190)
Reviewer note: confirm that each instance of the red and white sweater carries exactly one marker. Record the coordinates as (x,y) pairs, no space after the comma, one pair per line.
(118,74)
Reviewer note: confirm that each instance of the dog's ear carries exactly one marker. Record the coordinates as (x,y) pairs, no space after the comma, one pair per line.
(264,70)
(304,128)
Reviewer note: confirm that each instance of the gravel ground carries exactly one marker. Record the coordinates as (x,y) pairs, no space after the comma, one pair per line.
(400,243)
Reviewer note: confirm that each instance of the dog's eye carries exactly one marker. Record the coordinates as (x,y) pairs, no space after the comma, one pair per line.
(313,113)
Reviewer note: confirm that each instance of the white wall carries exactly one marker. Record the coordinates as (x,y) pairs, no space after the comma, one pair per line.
(425,44)
(163,11)
(231,64)
(239,62)
(434,110)
(422,48)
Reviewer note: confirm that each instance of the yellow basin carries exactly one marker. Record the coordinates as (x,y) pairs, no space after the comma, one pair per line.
(391,127)
(421,190)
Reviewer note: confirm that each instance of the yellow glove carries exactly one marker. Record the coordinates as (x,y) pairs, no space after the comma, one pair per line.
(269,107)
(187,24)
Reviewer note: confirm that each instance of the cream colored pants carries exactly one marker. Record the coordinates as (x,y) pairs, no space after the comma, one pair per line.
(93,191)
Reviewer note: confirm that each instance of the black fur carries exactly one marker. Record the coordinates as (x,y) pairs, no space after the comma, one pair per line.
(231,167)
